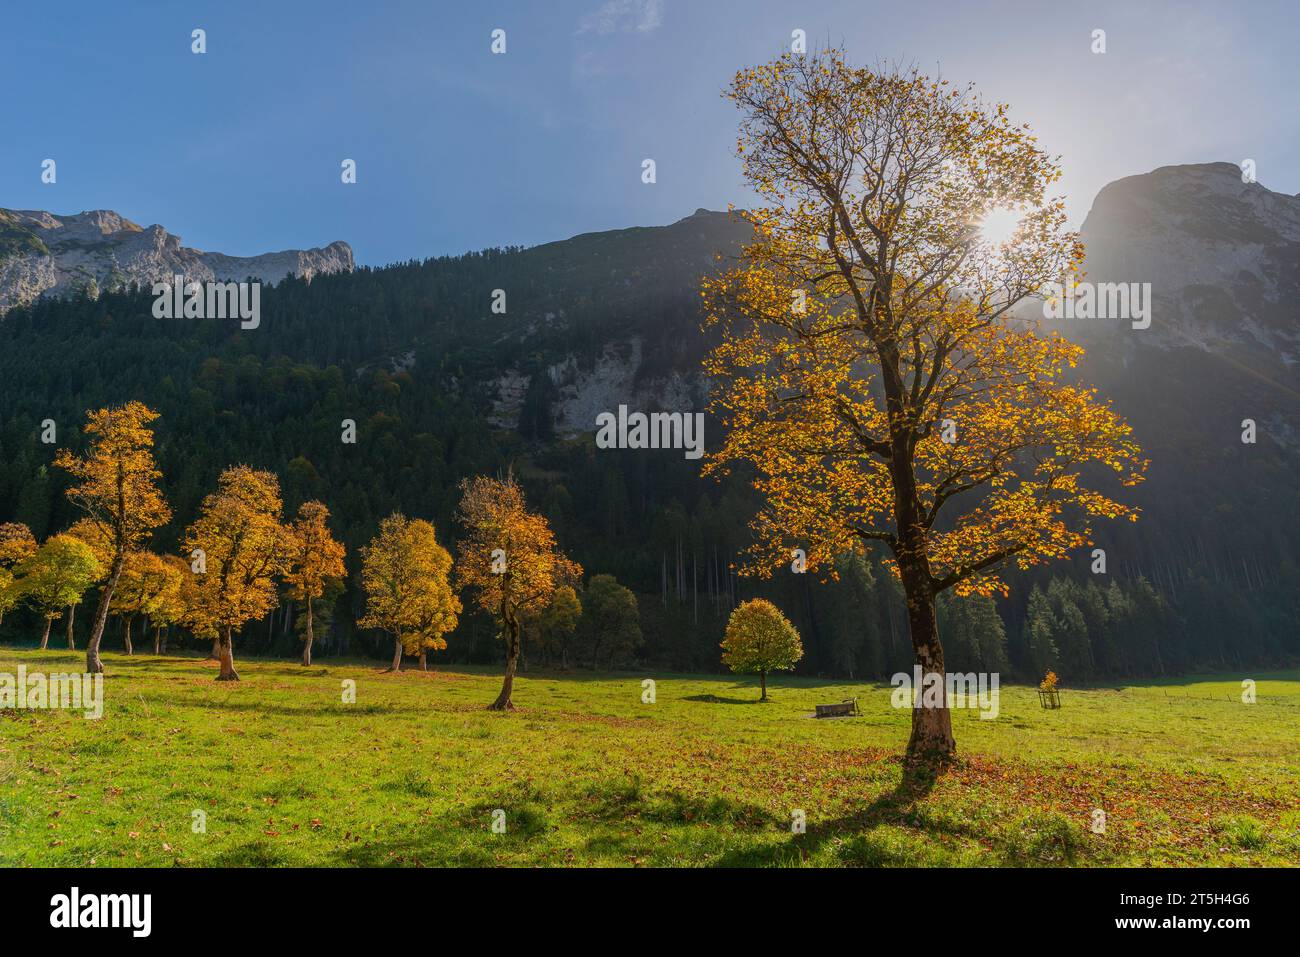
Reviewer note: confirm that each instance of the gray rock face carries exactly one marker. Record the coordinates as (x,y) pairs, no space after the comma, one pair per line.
(44,254)
(1222,256)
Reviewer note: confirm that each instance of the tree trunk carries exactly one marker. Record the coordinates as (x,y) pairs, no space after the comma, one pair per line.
(503,702)
(72,613)
(45,638)
(397,654)
(931,744)
(127,636)
(424,662)
(157,639)
(226,652)
(762,682)
(93,665)
(306,648)
(215,653)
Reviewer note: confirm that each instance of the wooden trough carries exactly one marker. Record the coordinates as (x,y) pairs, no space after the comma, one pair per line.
(841,709)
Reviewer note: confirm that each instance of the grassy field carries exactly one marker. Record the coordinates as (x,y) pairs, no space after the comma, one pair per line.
(411,774)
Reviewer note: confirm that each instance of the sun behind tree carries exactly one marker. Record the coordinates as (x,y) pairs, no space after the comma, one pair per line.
(870,371)
(760,639)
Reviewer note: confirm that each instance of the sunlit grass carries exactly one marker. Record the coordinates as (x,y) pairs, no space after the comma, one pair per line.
(287,774)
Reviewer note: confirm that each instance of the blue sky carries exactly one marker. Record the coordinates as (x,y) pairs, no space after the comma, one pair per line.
(238,150)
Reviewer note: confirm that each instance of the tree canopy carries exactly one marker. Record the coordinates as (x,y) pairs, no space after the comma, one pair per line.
(873,371)
(509,559)
(118,489)
(242,548)
(406,577)
(760,639)
(55,576)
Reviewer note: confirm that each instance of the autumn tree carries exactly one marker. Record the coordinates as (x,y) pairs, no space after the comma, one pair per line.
(198,609)
(760,639)
(168,605)
(429,636)
(239,545)
(9,592)
(315,559)
(16,544)
(117,488)
(145,584)
(872,368)
(406,576)
(96,536)
(55,576)
(509,558)
(131,593)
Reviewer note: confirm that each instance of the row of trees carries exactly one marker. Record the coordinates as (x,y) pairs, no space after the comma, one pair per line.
(240,554)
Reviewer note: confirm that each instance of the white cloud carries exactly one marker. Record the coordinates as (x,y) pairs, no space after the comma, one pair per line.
(624,16)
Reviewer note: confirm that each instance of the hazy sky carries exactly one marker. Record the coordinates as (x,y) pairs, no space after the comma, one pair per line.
(238,150)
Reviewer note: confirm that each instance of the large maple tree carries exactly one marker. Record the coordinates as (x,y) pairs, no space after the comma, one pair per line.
(872,368)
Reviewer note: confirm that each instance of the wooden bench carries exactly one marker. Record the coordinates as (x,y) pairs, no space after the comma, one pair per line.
(841,710)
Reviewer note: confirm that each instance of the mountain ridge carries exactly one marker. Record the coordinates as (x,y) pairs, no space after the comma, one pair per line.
(42,253)
(1213,247)
(441,386)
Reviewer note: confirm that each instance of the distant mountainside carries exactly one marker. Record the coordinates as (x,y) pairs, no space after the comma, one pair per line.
(41,253)
(442,386)
(1223,256)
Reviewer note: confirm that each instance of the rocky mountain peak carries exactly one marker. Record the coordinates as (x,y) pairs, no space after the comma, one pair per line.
(42,253)
(1222,255)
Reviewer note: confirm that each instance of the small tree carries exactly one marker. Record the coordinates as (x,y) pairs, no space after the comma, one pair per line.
(94,535)
(315,558)
(55,577)
(168,605)
(429,636)
(16,544)
(9,592)
(509,558)
(241,541)
(558,622)
(405,573)
(760,639)
(144,582)
(117,488)
(611,621)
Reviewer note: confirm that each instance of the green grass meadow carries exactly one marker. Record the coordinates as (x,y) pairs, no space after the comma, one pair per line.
(286,773)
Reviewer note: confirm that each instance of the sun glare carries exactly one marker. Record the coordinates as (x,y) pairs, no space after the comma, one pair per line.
(1000,225)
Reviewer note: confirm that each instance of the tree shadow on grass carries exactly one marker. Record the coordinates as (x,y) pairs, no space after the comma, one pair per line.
(258,853)
(715,699)
(429,847)
(316,708)
(893,807)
